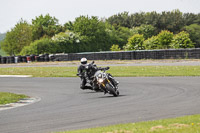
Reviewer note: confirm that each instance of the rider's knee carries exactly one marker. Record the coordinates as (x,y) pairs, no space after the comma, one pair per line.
(82,86)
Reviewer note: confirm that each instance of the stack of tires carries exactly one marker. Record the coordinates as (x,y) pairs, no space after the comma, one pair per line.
(26,59)
(3,60)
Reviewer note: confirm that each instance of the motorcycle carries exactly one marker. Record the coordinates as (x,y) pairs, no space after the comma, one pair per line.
(100,81)
(106,82)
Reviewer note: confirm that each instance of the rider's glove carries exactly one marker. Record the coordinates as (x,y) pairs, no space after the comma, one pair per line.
(107,68)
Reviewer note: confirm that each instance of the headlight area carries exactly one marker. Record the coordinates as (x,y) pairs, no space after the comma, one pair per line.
(100,80)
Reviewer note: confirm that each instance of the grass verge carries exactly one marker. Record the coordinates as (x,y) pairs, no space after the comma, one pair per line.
(6,97)
(117,71)
(186,124)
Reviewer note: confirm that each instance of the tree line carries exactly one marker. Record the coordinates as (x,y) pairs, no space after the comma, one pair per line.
(122,31)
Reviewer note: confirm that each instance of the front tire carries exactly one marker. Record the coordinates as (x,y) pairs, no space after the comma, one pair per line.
(112,90)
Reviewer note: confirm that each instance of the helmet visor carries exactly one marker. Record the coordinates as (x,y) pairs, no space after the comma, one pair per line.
(84,62)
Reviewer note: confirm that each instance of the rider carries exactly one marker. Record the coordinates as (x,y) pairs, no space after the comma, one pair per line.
(90,70)
(81,71)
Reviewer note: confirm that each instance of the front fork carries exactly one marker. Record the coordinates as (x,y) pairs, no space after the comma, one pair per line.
(103,86)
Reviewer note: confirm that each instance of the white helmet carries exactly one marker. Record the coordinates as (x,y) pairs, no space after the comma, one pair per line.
(83,61)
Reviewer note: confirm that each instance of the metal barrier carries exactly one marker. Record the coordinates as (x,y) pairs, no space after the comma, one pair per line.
(118,55)
(133,55)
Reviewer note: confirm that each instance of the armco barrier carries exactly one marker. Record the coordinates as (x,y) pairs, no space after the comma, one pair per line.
(119,55)
(133,55)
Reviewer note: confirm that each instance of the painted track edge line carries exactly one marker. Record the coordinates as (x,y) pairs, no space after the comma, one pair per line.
(15,76)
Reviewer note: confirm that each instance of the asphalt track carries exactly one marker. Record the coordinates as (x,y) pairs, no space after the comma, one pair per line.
(64,106)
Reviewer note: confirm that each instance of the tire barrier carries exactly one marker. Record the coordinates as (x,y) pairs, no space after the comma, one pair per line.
(119,55)
(3,60)
(19,59)
(24,59)
(46,57)
(32,57)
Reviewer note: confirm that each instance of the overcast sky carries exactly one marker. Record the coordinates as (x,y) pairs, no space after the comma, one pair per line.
(11,11)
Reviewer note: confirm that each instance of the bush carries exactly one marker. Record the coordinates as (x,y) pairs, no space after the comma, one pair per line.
(135,43)
(165,38)
(181,40)
(41,46)
(151,43)
(115,48)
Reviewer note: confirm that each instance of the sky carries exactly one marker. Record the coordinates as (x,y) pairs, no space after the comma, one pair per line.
(11,11)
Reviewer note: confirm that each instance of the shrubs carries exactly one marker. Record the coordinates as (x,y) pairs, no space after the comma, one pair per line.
(41,46)
(151,43)
(115,47)
(164,40)
(135,43)
(181,40)
(69,42)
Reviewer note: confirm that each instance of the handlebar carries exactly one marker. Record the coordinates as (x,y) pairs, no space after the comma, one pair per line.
(104,69)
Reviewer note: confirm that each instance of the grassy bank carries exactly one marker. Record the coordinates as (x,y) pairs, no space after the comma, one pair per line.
(117,71)
(186,124)
(6,97)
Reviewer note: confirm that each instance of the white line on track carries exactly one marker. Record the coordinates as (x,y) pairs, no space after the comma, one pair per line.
(16,76)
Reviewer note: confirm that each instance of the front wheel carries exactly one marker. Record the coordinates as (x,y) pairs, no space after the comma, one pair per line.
(112,90)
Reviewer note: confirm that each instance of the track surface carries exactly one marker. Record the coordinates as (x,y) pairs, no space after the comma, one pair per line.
(64,106)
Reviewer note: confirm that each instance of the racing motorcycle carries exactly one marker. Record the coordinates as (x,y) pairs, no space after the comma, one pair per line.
(106,82)
(101,81)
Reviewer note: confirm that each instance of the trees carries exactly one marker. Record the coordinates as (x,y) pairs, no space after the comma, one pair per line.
(2,36)
(172,21)
(67,42)
(17,38)
(121,19)
(68,26)
(45,26)
(189,18)
(147,30)
(118,34)
(87,34)
(93,32)
(194,31)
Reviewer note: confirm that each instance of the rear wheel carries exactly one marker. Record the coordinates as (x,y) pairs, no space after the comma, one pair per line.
(112,90)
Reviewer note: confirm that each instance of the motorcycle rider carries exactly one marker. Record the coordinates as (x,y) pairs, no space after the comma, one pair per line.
(90,70)
(81,71)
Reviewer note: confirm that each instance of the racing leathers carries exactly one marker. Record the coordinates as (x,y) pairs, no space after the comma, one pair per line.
(86,73)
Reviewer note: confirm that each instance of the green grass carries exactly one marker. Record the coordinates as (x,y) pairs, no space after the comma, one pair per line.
(186,124)
(6,97)
(117,71)
(152,71)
